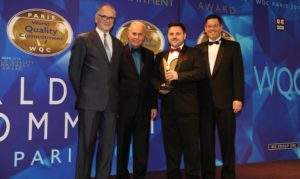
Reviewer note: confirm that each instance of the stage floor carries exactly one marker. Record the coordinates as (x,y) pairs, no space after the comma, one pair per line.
(287,169)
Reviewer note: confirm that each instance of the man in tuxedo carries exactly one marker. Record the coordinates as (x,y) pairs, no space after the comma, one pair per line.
(138,103)
(179,106)
(93,71)
(221,97)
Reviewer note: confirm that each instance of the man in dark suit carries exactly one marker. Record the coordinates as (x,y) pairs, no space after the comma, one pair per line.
(179,106)
(221,97)
(93,71)
(138,103)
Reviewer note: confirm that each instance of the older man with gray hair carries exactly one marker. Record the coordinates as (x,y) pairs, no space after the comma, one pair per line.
(93,71)
(138,103)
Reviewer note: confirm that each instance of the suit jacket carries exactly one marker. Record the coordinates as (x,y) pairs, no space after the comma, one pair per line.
(184,96)
(136,90)
(226,83)
(94,78)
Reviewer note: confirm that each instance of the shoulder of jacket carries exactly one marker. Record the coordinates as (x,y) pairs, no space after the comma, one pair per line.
(83,35)
(119,42)
(147,50)
(200,44)
(231,42)
(160,54)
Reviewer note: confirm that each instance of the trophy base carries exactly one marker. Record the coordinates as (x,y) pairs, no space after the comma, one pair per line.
(169,88)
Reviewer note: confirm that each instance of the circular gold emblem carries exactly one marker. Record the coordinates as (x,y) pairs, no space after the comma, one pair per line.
(203,37)
(154,39)
(40,32)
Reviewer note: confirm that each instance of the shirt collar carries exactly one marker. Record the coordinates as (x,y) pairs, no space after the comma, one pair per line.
(179,46)
(218,39)
(135,49)
(131,46)
(101,33)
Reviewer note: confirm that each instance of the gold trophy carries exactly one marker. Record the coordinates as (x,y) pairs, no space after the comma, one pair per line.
(167,67)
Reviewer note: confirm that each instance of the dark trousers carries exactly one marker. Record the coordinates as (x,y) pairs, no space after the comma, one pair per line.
(93,125)
(180,136)
(136,127)
(224,120)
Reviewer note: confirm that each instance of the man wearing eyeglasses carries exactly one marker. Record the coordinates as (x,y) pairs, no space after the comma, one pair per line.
(93,71)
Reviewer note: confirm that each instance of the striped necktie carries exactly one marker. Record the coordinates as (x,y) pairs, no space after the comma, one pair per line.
(108,53)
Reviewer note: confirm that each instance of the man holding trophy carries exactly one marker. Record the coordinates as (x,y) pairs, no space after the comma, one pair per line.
(175,76)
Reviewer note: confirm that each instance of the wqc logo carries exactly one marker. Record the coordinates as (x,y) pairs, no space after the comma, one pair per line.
(280,78)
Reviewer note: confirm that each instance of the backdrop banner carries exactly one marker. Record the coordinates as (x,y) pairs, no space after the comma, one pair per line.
(38,122)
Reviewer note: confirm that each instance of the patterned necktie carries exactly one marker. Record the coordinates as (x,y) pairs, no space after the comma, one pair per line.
(108,53)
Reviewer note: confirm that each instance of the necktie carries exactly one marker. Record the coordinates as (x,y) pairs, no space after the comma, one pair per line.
(138,49)
(108,53)
(171,50)
(215,42)
(136,54)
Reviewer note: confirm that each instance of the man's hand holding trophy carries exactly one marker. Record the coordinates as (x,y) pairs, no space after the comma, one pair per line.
(170,75)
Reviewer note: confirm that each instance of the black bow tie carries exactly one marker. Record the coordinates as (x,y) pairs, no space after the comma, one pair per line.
(138,49)
(215,42)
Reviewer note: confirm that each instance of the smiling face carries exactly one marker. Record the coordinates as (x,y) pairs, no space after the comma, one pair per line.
(105,18)
(136,33)
(176,36)
(213,28)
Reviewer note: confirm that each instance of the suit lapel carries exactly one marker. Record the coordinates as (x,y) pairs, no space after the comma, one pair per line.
(205,52)
(129,57)
(114,46)
(95,38)
(219,57)
(180,58)
(143,57)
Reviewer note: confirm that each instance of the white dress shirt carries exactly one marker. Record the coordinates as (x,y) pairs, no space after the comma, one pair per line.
(212,54)
(108,39)
(173,56)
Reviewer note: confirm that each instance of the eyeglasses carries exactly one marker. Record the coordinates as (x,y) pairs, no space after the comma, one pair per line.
(104,17)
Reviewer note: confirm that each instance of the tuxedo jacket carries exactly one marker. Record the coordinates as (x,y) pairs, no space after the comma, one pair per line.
(136,90)
(226,83)
(93,76)
(184,96)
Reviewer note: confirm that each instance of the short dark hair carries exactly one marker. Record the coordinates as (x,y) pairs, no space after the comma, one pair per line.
(214,16)
(176,24)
